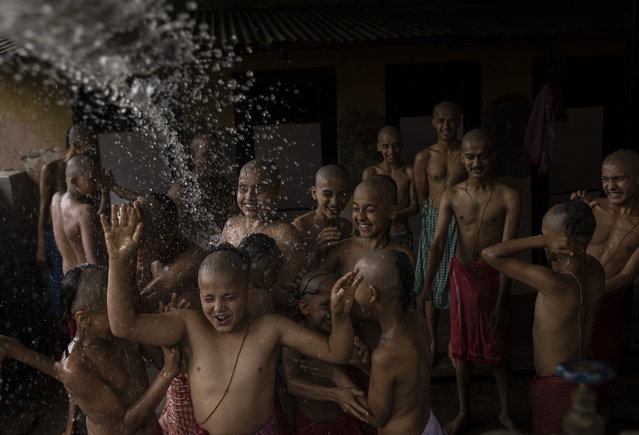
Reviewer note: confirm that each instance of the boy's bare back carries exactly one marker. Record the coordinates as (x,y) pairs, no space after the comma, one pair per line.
(77,231)
(559,334)
(403,361)
(102,380)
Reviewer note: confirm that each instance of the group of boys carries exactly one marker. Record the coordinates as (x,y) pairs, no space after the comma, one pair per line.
(357,351)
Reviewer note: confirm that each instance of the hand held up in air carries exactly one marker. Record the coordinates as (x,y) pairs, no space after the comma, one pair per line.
(123,234)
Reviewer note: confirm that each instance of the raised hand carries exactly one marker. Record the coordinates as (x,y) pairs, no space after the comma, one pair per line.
(328,238)
(343,293)
(562,244)
(173,304)
(123,235)
(583,195)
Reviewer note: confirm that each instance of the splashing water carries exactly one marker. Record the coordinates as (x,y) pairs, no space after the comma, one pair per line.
(137,55)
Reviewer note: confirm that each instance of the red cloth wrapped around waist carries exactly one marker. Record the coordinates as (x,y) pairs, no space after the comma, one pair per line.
(550,400)
(474,288)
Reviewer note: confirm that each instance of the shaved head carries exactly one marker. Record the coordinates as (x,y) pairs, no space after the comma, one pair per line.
(226,259)
(384,185)
(448,106)
(626,157)
(479,136)
(332,171)
(390,272)
(389,131)
(311,283)
(79,166)
(574,217)
(265,167)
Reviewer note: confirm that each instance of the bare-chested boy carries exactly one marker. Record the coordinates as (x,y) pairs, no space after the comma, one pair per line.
(80,140)
(104,375)
(326,398)
(323,227)
(231,358)
(167,262)
(398,395)
(74,216)
(487,212)
(615,244)
(390,144)
(258,190)
(374,208)
(569,293)
(437,168)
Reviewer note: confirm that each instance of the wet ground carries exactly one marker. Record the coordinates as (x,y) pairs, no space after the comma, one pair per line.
(45,411)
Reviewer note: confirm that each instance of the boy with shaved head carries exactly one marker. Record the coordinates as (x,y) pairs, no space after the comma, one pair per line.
(374,208)
(74,216)
(390,144)
(258,189)
(487,212)
(231,358)
(436,168)
(323,227)
(615,244)
(569,293)
(398,395)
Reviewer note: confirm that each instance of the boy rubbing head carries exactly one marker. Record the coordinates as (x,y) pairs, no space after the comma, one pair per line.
(572,217)
(398,399)
(374,206)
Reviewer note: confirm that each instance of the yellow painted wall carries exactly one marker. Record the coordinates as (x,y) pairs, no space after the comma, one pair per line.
(33,117)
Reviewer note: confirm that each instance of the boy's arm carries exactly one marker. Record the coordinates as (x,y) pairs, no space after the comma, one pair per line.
(381,388)
(541,278)
(122,240)
(298,386)
(92,242)
(436,251)
(181,275)
(102,405)
(338,346)
(421,177)
(500,316)
(627,275)
(413,206)
(12,348)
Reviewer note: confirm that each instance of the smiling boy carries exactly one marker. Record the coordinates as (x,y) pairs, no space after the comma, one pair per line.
(231,359)
(487,212)
(390,145)
(323,227)
(258,190)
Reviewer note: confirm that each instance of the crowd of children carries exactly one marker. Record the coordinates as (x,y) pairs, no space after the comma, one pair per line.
(327,324)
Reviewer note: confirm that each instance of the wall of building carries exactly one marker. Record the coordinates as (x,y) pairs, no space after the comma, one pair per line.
(507,78)
(33,118)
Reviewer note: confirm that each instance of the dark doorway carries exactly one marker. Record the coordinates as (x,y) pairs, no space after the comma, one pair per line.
(290,117)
